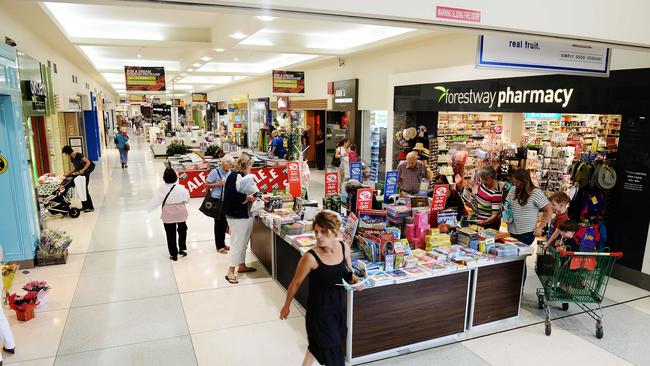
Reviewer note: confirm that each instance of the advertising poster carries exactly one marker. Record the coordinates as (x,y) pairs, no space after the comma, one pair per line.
(356,170)
(293,172)
(331,184)
(288,82)
(439,198)
(270,179)
(144,78)
(194,181)
(390,186)
(364,199)
(199,97)
(137,98)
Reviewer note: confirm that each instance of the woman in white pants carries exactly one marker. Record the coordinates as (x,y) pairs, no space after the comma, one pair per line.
(6,335)
(237,211)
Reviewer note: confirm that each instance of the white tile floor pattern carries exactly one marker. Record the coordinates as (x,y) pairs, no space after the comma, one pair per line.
(120,301)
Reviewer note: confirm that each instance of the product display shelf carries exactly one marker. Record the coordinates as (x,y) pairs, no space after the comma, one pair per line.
(441,306)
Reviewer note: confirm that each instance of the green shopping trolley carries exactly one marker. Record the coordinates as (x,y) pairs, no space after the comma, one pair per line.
(574,277)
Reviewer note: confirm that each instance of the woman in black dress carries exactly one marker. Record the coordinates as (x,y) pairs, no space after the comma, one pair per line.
(326,265)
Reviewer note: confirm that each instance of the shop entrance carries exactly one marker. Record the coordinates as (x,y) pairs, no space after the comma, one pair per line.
(41,146)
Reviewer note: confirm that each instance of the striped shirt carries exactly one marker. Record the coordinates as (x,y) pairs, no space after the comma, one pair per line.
(525,217)
(488,201)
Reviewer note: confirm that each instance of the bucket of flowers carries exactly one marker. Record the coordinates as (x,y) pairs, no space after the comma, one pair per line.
(23,305)
(53,248)
(8,274)
(39,288)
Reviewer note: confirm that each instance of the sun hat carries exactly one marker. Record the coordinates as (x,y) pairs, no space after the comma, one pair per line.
(420,147)
(606,177)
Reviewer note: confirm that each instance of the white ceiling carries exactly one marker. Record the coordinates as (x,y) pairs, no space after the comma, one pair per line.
(203,50)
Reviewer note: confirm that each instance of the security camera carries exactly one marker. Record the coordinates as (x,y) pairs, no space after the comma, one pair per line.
(341,62)
(10,42)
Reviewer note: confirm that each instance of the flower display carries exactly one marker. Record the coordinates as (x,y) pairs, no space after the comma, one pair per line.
(8,274)
(36,286)
(54,241)
(23,303)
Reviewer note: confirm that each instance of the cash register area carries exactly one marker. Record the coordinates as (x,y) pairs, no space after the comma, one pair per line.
(120,301)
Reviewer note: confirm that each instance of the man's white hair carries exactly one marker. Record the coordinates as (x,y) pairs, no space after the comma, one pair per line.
(228,159)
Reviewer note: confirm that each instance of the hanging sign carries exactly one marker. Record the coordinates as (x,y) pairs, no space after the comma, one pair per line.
(293,172)
(199,97)
(288,82)
(144,78)
(439,197)
(270,179)
(364,199)
(283,104)
(4,164)
(519,52)
(390,185)
(356,170)
(331,184)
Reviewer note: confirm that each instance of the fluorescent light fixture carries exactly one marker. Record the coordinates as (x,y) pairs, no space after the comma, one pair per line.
(220,50)
(235,59)
(354,38)
(207,79)
(265,18)
(273,61)
(196,65)
(206,58)
(139,55)
(238,35)
(256,42)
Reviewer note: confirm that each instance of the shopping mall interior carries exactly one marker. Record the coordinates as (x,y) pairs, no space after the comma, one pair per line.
(280,182)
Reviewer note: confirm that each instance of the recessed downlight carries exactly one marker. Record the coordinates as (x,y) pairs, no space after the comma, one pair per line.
(206,58)
(196,65)
(238,35)
(220,50)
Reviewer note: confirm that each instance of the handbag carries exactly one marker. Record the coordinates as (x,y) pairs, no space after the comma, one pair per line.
(127,147)
(211,206)
(336,161)
(167,196)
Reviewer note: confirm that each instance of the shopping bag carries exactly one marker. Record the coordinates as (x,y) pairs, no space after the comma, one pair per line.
(545,263)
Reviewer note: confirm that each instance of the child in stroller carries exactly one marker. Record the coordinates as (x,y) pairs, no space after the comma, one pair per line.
(57,202)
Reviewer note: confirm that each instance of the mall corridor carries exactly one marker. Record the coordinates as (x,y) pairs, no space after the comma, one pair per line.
(120,301)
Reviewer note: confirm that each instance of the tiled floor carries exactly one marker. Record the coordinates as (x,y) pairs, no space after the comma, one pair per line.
(120,301)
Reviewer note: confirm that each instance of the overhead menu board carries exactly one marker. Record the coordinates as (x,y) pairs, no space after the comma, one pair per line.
(288,82)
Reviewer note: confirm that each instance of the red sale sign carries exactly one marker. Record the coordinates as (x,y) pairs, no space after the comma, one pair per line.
(293,172)
(439,197)
(331,184)
(194,181)
(364,199)
(270,179)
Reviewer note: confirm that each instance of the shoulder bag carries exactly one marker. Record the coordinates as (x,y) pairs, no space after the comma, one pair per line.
(212,206)
(167,196)
(336,161)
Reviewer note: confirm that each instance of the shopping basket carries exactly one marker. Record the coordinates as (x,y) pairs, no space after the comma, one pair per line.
(574,277)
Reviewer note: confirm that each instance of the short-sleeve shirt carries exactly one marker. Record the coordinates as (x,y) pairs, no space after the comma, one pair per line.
(524,218)
(488,201)
(558,220)
(410,178)
(77,161)
(278,143)
(217,175)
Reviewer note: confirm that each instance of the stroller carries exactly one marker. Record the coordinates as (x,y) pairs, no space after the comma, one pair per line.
(58,202)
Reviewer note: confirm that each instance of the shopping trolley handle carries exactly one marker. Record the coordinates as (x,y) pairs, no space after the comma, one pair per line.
(602,254)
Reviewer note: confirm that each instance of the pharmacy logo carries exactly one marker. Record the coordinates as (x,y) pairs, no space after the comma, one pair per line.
(443,90)
(365,195)
(332,178)
(558,96)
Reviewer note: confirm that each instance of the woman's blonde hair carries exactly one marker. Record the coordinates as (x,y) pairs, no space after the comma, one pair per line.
(244,162)
(328,220)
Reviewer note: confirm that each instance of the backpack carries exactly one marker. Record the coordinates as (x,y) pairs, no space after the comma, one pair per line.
(582,174)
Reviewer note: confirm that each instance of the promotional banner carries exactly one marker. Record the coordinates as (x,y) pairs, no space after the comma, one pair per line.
(518,52)
(288,82)
(293,172)
(331,184)
(137,98)
(390,185)
(356,170)
(364,199)
(270,179)
(199,97)
(144,78)
(439,197)
(194,181)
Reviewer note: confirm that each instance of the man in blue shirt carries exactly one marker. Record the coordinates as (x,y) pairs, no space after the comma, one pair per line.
(215,181)
(277,145)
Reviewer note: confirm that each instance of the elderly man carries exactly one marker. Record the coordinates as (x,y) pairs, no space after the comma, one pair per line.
(215,181)
(411,172)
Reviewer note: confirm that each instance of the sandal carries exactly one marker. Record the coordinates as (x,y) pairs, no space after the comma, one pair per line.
(248,269)
(233,281)
(223,251)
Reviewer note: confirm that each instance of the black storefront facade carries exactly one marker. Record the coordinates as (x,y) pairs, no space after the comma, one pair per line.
(624,92)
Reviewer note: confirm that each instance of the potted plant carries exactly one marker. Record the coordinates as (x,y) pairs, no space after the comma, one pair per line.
(177,148)
(53,248)
(23,305)
(215,151)
(40,288)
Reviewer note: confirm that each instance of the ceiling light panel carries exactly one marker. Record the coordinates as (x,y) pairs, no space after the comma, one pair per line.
(207,79)
(262,66)
(238,35)
(265,18)
(365,34)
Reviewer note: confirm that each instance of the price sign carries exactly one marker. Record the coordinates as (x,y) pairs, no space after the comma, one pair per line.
(439,197)
(331,184)
(293,172)
(364,199)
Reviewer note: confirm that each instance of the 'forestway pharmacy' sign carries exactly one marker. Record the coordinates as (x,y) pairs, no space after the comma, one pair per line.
(560,97)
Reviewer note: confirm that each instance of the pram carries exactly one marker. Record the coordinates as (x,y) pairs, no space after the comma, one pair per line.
(57,202)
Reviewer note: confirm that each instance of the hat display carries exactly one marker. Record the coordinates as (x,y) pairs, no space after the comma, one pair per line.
(582,174)
(409,133)
(420,147)
(606,177)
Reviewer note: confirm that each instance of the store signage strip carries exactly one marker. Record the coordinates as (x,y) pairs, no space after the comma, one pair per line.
(516,52)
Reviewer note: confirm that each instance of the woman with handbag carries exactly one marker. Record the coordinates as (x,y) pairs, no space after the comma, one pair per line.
(237,211)
(172,198)
(122,142)
(215,182)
